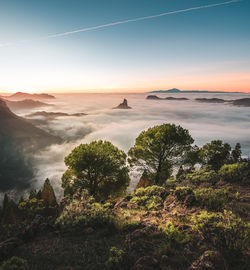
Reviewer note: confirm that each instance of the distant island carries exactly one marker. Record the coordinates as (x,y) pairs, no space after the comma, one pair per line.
(22,95)
(243,102)
(175,90)
(167,98)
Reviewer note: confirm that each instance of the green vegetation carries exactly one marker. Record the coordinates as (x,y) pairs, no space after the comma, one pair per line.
(237,172)
(196,219)
(99,167)
(224,230)
(160,148)
(211,198)
(215,154)
(82,211)
(116,258)
(150,198)
(14,263)
(205,174)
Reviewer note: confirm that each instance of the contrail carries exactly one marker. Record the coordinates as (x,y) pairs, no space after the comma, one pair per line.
(127,21)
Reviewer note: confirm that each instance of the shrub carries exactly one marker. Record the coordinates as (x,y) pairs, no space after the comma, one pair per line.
(174,234)
(14,263)
(213,199)
(116,257)
(84,211)
(182,192)
(227,232)
(237,172)
(171,182)
(205,174)
(150,198)
(32,207)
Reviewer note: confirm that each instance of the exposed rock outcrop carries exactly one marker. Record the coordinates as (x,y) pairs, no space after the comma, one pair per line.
(144,181)
(123,105)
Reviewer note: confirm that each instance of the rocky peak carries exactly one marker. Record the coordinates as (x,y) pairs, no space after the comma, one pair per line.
(123,105)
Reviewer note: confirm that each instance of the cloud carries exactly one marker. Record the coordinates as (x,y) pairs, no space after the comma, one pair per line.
(127,21)
(204,121)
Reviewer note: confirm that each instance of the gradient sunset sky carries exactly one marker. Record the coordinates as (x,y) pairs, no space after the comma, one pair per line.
(199,49)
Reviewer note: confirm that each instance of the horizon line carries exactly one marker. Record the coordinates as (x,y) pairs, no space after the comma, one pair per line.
(109,91)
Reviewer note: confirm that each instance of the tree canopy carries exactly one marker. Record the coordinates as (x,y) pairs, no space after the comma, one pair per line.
(216,153)
(99,167)
(158,149)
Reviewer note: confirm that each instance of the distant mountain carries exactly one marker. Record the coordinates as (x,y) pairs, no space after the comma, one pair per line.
(22,95)
(25,104)
(18,141)
(175,90)
(53,115)
(21,131)
(123,105)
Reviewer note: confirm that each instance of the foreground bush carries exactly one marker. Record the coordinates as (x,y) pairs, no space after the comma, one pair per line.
(213,199)
(150,198)
(224,230)
(82,211)
(14,263)
(116,258)
(174,234)
(237,172)
(205,174)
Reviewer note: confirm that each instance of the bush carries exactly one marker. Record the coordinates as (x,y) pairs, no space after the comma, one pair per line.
(237,172)
(83,211)
(226,232)
(182,192)
(205,174)
(171,182)
(14,263)
(116,257)
(32,207)
(213,199)
(175,235)
(150,198)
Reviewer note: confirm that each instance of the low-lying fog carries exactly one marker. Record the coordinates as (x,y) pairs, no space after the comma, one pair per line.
(205,122)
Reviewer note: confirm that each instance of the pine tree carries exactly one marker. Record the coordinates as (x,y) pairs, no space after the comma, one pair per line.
(33,194)
(236,153)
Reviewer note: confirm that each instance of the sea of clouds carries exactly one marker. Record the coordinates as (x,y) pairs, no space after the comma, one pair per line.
(205,122)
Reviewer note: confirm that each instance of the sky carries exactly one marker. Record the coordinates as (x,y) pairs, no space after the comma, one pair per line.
(206,48)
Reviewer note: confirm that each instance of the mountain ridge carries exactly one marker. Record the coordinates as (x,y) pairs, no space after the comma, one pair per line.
(175,90)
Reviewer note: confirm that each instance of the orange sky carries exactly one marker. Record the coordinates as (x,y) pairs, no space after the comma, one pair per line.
(230,82)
